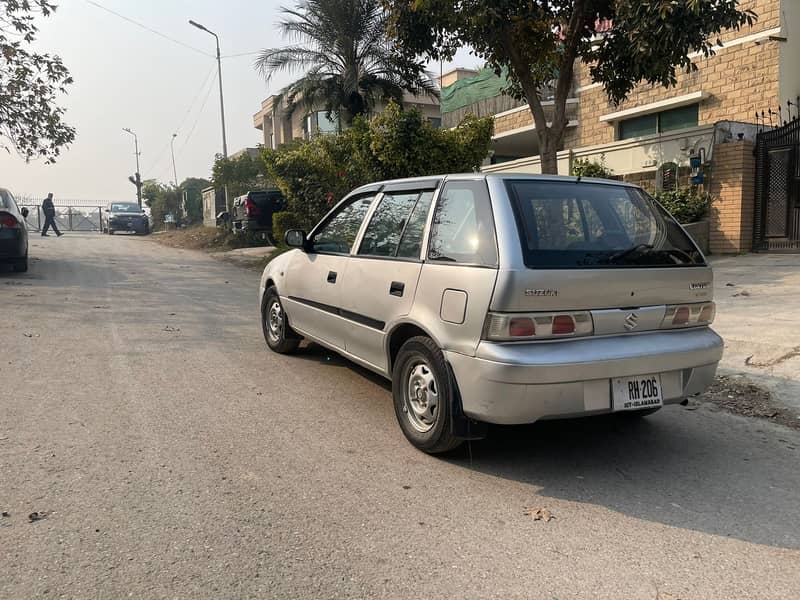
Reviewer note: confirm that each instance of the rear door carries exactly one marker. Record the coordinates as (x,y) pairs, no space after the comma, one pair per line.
(312,292)
(600,247)
(382,276)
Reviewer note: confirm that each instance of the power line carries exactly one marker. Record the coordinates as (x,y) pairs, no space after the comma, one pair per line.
(199,114)
(188,112)
(146,28)
(242,54)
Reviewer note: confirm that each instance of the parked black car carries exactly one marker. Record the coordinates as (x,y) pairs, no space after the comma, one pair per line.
(254,210)
(125,216)
(13,233)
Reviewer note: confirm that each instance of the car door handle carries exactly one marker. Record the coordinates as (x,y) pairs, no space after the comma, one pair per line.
(397,288)
(331,276)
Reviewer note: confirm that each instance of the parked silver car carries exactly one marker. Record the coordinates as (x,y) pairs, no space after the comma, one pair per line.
(501,299)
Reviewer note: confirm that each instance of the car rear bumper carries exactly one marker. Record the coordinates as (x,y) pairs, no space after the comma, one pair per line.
(522,383)
(13,245)
(251,225)
(137,225)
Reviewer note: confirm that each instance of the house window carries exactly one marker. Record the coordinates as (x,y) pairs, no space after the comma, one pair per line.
(662,122)
(436,122)
(318,123)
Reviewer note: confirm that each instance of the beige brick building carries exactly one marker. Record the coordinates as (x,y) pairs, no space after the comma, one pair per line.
(757,68)
(651,139)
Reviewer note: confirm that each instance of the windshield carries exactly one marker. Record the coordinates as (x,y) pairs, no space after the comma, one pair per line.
(585,225)
(125,207)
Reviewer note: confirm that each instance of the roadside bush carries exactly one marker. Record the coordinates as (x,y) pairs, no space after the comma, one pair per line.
(283,222)
(687,204)
(583,167)
(315,174)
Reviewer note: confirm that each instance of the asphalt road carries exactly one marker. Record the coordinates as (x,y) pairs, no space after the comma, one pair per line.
(174,457)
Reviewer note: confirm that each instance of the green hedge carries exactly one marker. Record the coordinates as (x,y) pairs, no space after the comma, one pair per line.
(315,174)
(687,204)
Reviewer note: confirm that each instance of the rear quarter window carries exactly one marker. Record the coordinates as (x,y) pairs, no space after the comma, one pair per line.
(463,227)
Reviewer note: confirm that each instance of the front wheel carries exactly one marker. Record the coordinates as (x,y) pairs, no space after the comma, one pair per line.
(423,396)
(280,337)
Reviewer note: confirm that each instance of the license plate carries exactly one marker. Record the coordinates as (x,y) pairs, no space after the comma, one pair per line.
(637,393)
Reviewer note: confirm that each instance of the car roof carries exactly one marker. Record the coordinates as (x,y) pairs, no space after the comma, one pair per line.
(373,187)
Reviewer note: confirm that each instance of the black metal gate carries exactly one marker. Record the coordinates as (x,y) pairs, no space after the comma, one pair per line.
(776,225)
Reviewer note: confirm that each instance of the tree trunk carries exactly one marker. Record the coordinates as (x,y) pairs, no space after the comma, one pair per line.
(548,152)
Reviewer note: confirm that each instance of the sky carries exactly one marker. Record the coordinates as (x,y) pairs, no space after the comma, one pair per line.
(129,77)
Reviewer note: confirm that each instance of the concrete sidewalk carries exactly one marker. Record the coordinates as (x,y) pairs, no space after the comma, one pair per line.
(758,314)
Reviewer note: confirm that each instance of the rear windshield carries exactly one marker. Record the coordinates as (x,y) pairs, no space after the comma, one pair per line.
(566,225)
(268,199)
(121,207)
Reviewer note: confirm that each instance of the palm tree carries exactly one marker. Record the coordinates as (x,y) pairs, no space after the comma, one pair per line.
(349,64)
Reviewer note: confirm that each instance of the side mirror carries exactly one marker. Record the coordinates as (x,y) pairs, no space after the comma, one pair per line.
(24,212)
(296,238)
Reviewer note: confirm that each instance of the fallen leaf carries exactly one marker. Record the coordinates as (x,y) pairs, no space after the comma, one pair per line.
(539,514)
(6,514)
(36,516)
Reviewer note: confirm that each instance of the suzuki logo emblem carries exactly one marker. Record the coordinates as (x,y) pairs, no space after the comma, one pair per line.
(631,321)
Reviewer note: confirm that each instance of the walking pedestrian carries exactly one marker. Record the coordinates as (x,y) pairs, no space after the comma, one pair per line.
(49,211)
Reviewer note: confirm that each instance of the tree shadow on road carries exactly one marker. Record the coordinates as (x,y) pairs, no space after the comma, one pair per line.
(701,470)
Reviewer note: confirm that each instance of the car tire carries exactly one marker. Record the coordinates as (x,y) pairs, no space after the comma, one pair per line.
(420,376)
(280,337)
(110,232)
(21,266)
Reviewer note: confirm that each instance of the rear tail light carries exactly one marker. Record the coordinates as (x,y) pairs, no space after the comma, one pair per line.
(688,315)
(251,208)
(8,220)
(502,327)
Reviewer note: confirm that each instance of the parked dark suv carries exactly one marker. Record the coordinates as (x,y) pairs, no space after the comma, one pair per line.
(125,216)
(13,233)
(254,210)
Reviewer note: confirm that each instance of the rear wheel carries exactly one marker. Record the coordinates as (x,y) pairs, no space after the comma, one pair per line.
(21,266)
(281,338)
(423,396)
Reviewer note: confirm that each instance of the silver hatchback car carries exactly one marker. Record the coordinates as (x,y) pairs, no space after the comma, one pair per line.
(501,299)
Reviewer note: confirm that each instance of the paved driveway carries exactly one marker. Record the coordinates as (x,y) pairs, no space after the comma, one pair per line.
(758,314)
(175,457)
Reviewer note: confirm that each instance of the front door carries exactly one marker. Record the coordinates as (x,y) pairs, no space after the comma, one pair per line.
(382,276)
(314,278)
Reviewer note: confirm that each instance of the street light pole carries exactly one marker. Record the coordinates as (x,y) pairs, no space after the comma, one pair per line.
(138,180)
(219,76)
(174,169)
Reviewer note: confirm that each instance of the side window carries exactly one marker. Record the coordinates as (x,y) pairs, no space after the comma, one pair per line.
(389,220)
(398,225)
(463,227)
(339,233)
(411,244)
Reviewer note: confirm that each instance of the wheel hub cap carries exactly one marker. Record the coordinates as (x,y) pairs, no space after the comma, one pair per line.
(422,398)
(275,321)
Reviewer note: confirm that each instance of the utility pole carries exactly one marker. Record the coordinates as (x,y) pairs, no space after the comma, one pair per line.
(174,169)
(221,101)
(137,178)
(219,76)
